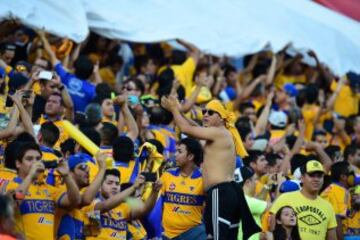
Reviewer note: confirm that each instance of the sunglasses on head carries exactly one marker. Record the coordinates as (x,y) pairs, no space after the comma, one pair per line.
(208,111)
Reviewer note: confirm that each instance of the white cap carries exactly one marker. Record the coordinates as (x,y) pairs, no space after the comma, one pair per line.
(278,119)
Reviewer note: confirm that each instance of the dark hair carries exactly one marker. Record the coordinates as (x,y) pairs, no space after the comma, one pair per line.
(58,95)
(68,146)
(49,133)
(165,80)
(12,149)
(318,133)
(83,67)
(7,47)
(253,156)
(349,150)
(297,161)
(156,115)
(103,91)
(93,135)
(108,133)
(24,147)
(141,61)
(138,83)
(338,169)
(245,105)
(193,147)
(243,122)
(280,232)
(123,149)
(312,93)
(331,150)
(272,158)
(5,204)
(114,58)
(113,172)
(178,57)
(228,69)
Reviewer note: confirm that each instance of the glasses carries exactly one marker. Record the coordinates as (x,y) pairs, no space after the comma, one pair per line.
(208,111)
(129,88)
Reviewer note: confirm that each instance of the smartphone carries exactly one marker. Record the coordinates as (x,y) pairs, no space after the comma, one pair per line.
(149,177)
(50,164)
(45,75)
(27,94)
(9,101)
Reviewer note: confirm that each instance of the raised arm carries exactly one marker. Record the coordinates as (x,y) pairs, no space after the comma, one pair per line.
(126,118)
(117,199)
(25,117)
(194,52)
(68,103)
(189,103)
(144,209)
(170,103)
(271,73)
(10,128)
(91,191)
(260,127)
(47,47)
(72,198)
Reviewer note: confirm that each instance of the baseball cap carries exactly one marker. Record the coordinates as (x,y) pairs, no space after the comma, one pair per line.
(289,186)
(17,80)
(278,118)
(311,167)
(290,89)
(75,160)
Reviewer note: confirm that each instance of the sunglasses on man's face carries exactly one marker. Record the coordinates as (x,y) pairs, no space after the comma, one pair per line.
(208,111)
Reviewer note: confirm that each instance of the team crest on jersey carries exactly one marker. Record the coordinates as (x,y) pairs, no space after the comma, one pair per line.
(191,188)
(119,214)
(172,186)
(46,192)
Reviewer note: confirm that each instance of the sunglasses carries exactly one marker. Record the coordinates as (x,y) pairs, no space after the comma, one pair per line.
(129,88)
(208,111)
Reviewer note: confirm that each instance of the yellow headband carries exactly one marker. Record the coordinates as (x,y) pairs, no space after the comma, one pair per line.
(229,119)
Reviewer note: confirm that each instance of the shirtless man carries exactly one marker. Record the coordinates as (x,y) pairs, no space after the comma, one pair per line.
(225,202)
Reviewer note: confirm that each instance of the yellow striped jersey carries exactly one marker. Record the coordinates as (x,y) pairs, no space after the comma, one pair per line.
(35,214)
(183,201)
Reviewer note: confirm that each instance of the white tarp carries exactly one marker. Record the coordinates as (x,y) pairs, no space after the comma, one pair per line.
(231,27)
(65,18)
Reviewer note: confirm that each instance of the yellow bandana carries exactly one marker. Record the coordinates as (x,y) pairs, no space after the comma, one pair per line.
(229,118)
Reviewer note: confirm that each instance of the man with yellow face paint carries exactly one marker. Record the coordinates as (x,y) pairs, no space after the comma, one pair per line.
(225,201)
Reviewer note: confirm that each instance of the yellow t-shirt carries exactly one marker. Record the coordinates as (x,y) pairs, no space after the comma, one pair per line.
(108,76)
(338,197)
(315,217)
(183,201)
(309,112)
(282,79)
(127,171)
(137,230)
(35,214)
(351,224)
(6,176)
(346,102)
(114,223)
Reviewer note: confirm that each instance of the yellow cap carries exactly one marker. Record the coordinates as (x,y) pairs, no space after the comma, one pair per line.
(313,166)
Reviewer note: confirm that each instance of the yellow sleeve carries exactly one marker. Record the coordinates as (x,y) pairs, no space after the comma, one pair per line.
(126,210)
(188,68)
(280,202)
(332,219)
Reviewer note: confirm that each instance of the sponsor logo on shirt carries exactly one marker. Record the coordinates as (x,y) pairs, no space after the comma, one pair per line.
(181,211)
(184,199)
(43,220)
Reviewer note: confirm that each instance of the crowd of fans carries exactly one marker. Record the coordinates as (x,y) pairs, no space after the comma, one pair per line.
(297,165)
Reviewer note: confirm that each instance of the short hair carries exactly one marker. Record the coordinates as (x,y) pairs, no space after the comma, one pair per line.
(318,133)
(12,149)
(298,160)
(272,158)
(156,115)
(193,147)
(252,157)
(312,93)
(24,147)
(245,105)
(58,95)
(244,131)
(7,47)
(350,150)
(338,169)
(93,114)
(108,133)
(138,83)
(50,133)
(113,172)
(83,67)
(141,61)
(243,122)
(123,149)
(68,146)
(331,150)
(93,135)
(228,69)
